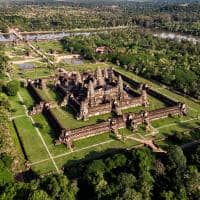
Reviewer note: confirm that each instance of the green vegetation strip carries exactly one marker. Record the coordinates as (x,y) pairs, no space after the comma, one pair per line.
(30,140)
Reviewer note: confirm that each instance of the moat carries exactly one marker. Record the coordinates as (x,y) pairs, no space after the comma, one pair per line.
(60,35)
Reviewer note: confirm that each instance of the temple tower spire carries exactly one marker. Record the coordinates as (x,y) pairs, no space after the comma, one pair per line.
(106,73)
(91,94)
(120,88)
(110,75)
(78,78)
(99,76)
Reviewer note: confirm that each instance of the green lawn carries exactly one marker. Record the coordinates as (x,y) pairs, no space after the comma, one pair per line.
(16,106)
(55,96)
(49,135)
(49,93)
(44,167)
(46,45)
(84,67)
(32,73)
(28,100)
(32,143)
(67,119)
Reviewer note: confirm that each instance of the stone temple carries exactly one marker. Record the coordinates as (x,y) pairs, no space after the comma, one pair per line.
(96,93)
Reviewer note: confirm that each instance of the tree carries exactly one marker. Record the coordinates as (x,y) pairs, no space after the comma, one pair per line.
(168,195)
(12,88)
(117,160)
(3,63)
(126,180)
(143,163)
(192,180)
(129,194)
(194,158)
(176,166)
(4,102)
(39,195)
(176,160)
(145,184)
(6,159)
(59,187)
(143,159)
(95,175)
(122,187)
(5,174)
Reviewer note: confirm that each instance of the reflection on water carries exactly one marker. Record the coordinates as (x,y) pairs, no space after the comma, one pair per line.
(73,61)
(31,37)
(7,38)
(178,37)
(26,66)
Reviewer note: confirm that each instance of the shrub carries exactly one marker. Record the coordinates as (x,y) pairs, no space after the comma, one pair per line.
(39,125)
(12,88)
(13,110)
(23,84)
(6,159)
(4,101)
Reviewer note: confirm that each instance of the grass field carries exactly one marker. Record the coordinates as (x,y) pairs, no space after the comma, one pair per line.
(30,140)
(38,72)
(67,118)
(90,147)
(45,46)
(84,67)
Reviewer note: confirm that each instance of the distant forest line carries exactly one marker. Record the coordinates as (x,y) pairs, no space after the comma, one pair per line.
(175,17)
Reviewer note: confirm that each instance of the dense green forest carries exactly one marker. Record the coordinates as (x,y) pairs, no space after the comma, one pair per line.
(173,63)
(133,175)
(139,174)
(174,17)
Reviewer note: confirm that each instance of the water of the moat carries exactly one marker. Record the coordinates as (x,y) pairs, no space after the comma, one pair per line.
(26,66)
(56,36)
(73,61)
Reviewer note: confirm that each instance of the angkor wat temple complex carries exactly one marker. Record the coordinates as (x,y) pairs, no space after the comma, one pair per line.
(95,93)
(91,94)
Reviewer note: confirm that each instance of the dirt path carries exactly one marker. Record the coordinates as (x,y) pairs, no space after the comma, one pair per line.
(149,143)
(26,60)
